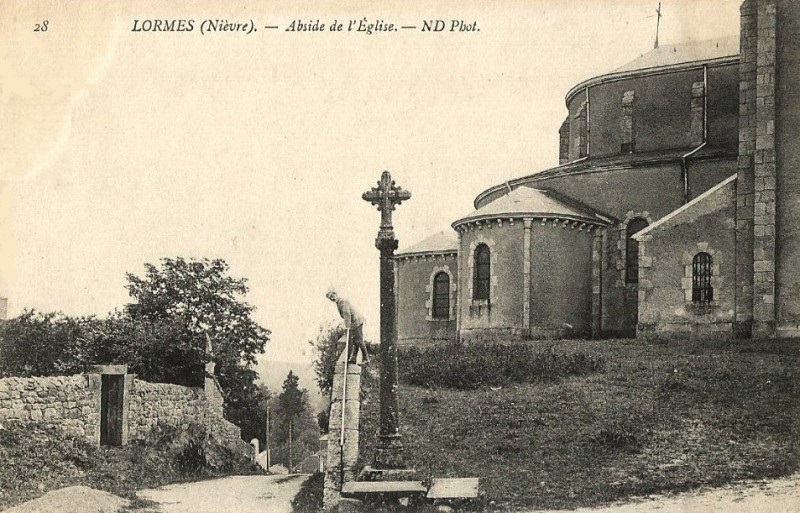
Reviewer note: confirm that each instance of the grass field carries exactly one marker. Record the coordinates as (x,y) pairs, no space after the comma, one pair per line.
(658,417)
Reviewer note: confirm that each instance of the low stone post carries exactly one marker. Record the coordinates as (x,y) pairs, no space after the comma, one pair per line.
(341,457)
(254,444)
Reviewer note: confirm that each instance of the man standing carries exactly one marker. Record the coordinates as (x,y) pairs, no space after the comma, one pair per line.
(354,323)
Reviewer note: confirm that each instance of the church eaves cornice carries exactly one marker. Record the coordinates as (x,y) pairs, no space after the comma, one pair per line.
(646,72)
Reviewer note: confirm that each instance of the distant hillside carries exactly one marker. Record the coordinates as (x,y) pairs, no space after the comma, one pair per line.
(274,372)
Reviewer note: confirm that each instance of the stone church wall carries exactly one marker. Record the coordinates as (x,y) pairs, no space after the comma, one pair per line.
(668,95)
(501,315)
(561,281)
(665,268)
(415,322)
(723,106)
(655,188)
(787,128)
(704,175)
(558,291)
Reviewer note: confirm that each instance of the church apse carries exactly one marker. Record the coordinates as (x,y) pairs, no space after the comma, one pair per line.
(700,140)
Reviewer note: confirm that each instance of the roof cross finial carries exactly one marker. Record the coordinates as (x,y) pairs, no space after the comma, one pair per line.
(658,23)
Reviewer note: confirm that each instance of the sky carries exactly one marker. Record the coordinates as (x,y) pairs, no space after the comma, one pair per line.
(119,148)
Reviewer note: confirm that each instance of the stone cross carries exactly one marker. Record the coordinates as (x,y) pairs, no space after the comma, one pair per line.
(386,196)
(389,450)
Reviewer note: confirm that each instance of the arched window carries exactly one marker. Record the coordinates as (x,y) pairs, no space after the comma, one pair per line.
(441,296)
(482,276)
(702,291)
(632,249)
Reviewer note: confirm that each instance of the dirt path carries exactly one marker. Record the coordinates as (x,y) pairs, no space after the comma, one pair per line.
(241,494)
(778,496)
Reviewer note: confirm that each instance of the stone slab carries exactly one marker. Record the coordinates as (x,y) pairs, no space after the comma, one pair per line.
(369,473)
(389,487)
(454,488)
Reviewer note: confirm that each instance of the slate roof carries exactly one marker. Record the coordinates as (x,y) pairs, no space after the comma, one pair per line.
(670,219)
(529,201)
(442,242)
(668,55)
(610,162)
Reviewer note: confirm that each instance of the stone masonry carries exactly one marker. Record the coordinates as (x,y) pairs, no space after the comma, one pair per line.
(580,142)
(341,459)
(73,404)
(698,123)
(626,123)
(563,142)
(67,401)
(756,202)
(745,179)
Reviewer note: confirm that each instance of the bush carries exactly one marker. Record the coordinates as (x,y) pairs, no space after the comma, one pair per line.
(36,458)
(309,498)
(193,451)
(472,366)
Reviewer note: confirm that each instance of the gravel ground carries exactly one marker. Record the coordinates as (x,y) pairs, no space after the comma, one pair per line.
(777,496)
(238,494)
(273,494)
(72,499)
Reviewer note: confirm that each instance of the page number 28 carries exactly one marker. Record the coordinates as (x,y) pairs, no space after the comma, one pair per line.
(40,27)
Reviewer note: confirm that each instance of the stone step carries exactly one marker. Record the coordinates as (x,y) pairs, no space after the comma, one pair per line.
(454,488)
(386,487)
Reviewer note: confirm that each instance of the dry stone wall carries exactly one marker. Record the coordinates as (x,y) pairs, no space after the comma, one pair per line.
(73,403)
(173,405)
(70,402)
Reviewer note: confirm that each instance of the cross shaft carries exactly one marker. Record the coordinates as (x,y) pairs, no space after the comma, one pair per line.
(389,451)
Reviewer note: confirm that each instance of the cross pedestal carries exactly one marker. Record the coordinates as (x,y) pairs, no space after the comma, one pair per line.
(389,450)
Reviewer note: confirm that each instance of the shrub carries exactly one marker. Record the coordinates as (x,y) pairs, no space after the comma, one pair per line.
(193,451)
(472,366)
(34,455)
(309,498)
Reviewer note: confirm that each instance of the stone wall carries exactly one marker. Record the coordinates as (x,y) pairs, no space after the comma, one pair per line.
(662,118)
(416,323)
(175,405)
(541,280)
(768,241)
(787,135)
(73,403)
(341,458)
(70,402)
(501,315)
(666,252)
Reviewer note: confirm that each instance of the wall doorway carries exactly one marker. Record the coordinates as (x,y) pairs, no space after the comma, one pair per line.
(111,409)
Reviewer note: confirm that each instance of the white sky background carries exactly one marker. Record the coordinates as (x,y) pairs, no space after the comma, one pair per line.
(119,148)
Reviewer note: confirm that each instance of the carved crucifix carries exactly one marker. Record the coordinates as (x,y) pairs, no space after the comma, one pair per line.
(386,196)
(389,450)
